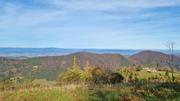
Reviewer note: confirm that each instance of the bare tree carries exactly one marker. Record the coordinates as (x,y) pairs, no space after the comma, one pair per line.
(171,58)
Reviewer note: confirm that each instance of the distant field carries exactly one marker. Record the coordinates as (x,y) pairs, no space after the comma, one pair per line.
(144,75)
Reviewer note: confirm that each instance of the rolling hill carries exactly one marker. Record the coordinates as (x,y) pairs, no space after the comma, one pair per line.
(153,57)
(98,60)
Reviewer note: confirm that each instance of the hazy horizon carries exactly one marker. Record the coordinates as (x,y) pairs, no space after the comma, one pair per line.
(81,48)
(38,52)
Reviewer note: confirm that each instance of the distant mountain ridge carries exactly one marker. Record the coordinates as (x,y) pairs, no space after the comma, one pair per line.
(100,60)
(36,52)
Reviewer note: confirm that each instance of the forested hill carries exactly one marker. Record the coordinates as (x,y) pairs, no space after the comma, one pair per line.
(152,57)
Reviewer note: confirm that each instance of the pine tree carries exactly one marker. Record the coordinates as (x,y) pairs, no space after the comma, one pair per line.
(73,74)
(87,72)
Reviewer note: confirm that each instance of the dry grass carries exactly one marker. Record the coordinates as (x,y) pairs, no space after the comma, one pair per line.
(81,92)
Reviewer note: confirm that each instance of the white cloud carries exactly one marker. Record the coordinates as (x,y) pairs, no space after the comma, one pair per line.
(109,4)
(14,17)
(18,16)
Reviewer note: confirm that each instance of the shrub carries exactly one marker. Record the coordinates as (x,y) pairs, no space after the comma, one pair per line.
(115,78)
(72,75)
(99,75)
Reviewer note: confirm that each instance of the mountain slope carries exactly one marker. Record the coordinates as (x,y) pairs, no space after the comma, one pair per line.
(99,60)
(152,57)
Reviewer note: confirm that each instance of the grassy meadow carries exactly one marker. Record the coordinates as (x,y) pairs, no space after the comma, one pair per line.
(119,92)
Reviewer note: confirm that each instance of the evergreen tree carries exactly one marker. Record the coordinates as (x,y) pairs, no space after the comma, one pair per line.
(72,75)
(87,73)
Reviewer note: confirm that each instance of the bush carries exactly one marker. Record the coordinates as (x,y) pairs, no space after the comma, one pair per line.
(99,76)
(93,75)
(72,75)
(115,78)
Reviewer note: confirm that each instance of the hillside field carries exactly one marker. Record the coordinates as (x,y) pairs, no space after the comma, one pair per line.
(127,91)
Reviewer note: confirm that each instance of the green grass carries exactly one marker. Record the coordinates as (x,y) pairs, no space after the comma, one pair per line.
(44,94)
(127,91)
(119,92)
(36,95)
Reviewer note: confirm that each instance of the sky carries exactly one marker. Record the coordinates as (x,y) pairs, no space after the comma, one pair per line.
(97,24)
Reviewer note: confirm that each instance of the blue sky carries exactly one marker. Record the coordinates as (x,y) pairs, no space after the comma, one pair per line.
(112,24)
